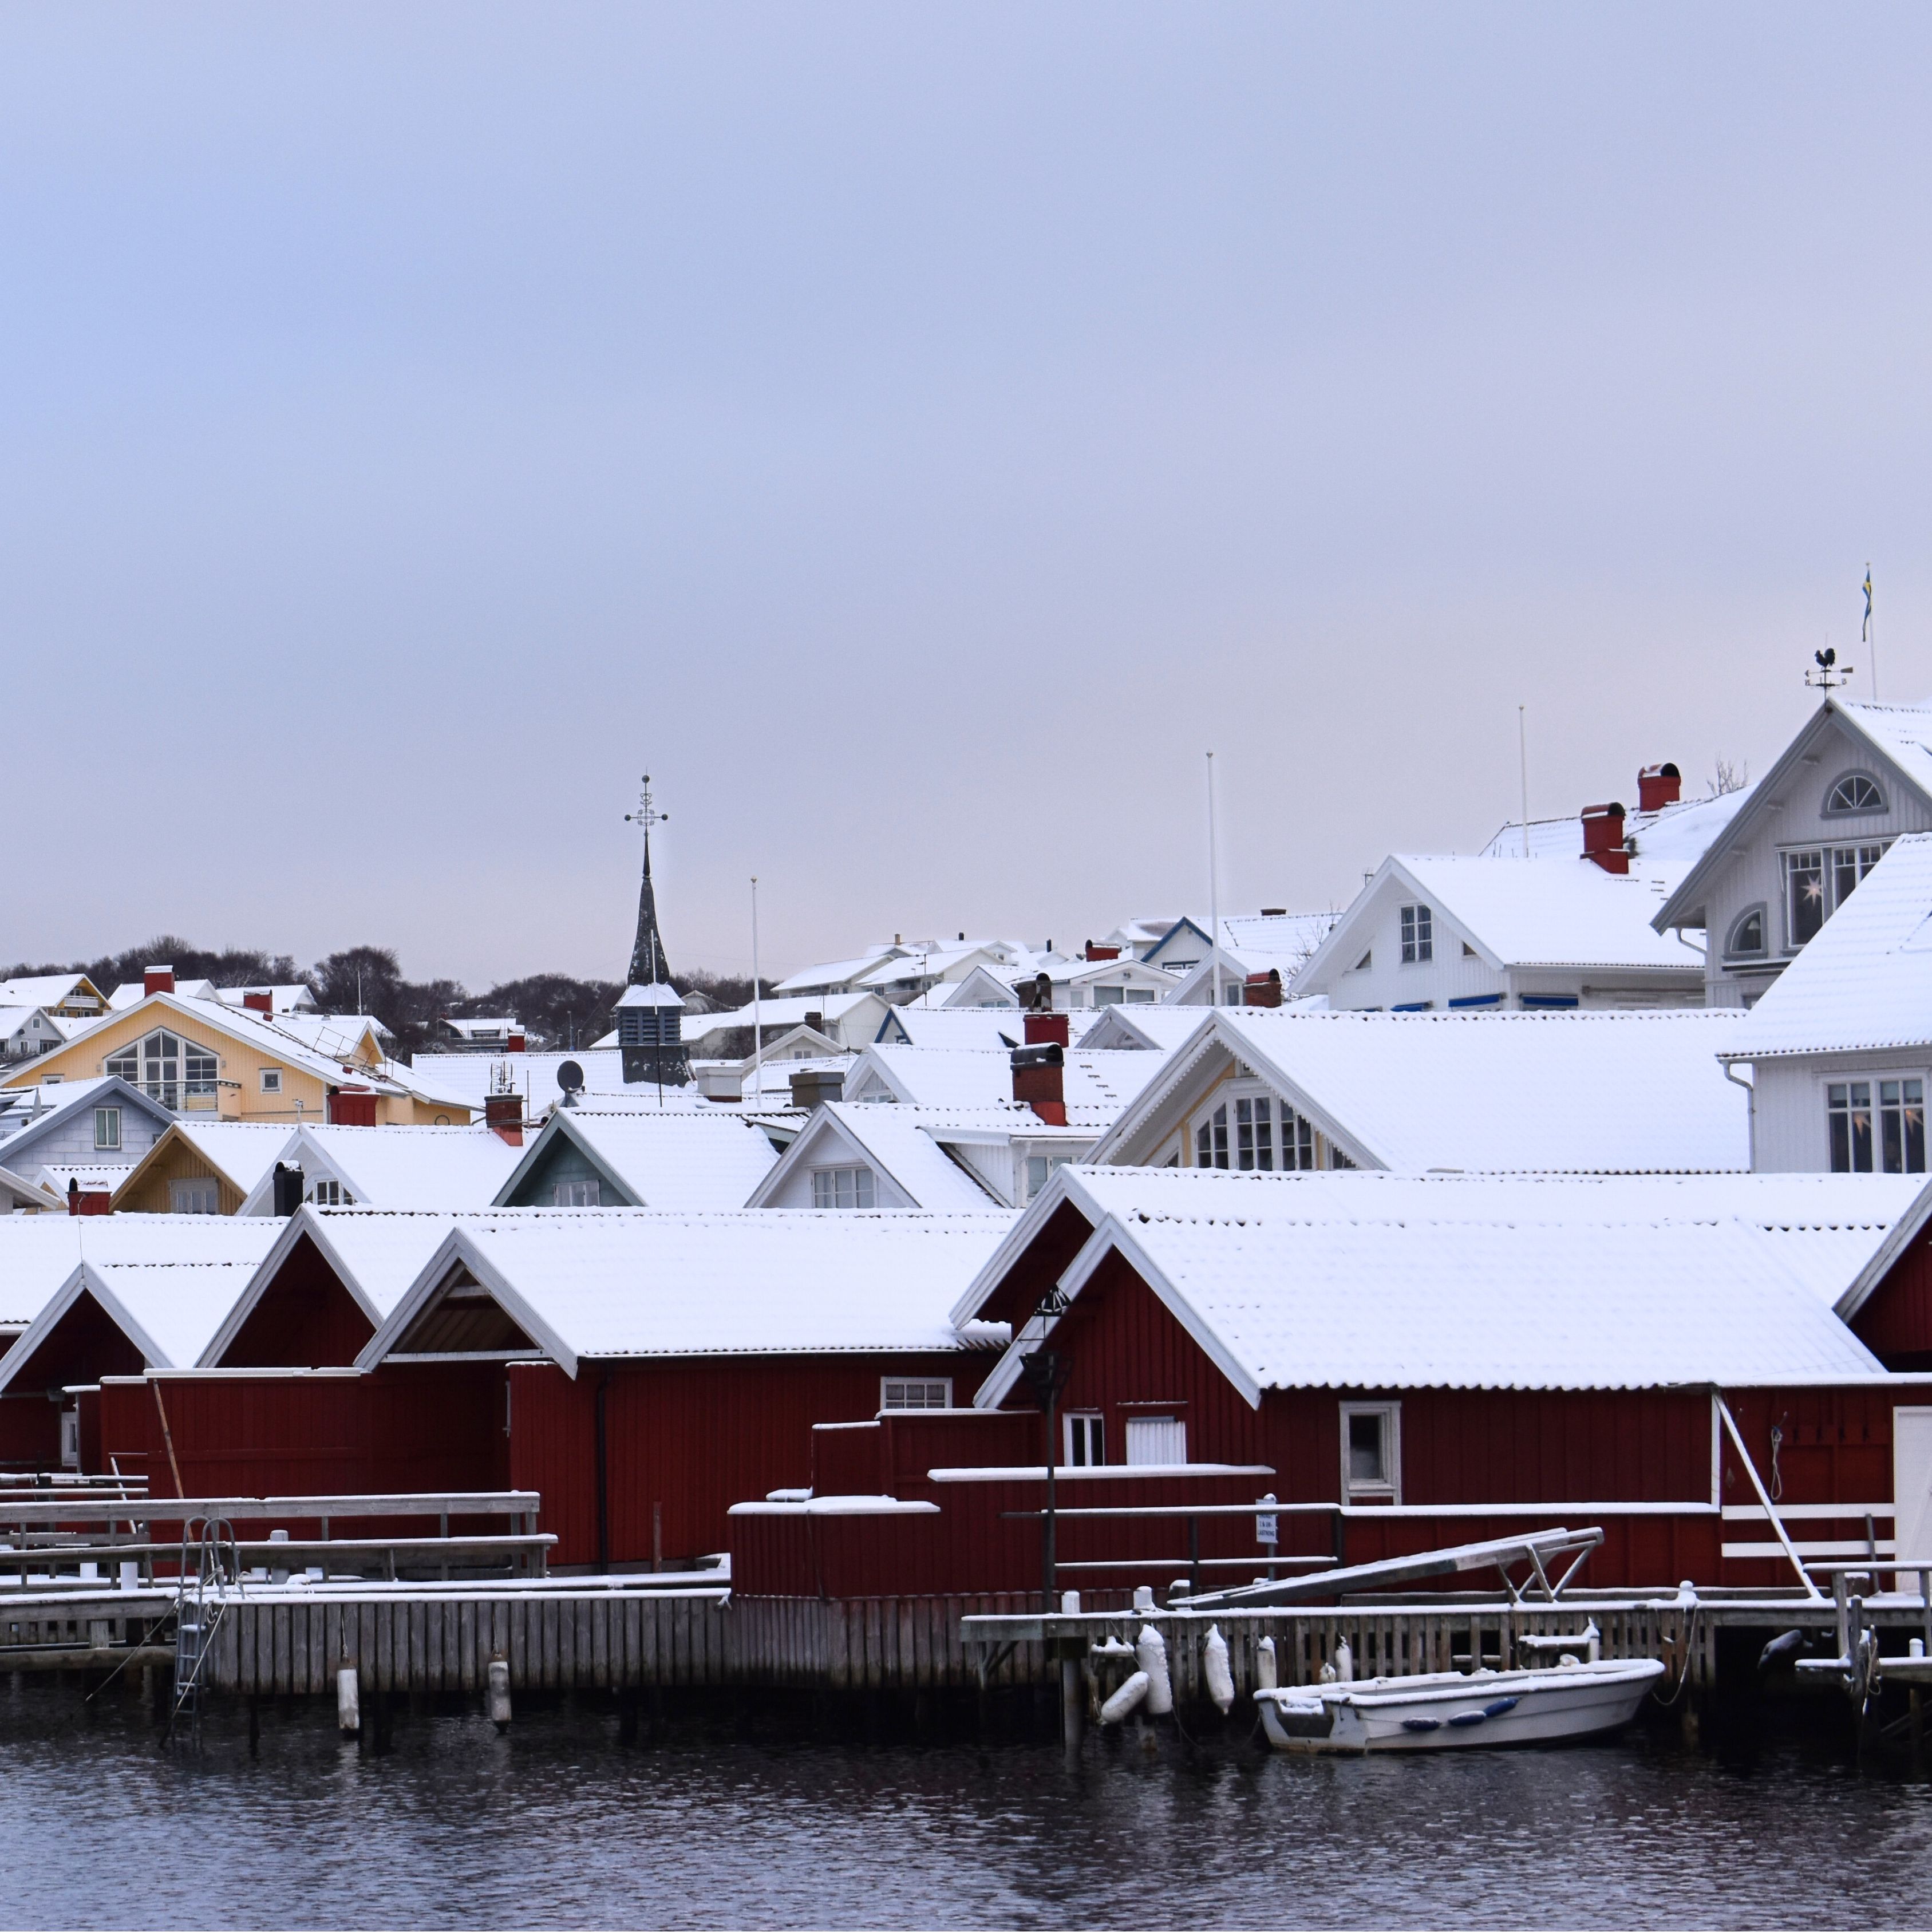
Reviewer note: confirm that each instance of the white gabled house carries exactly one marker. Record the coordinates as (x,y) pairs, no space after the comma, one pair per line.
(1441,1092)
(1840,1048)
(1856,777)
(1442,934)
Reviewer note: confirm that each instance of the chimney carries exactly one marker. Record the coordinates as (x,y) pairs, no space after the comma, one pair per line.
(1263,989)
(1603,837)
(1095,950)
(1040,1080)
(288,1188)
(94,1201)
(816,1020)
(157,980)
(1046,1029)
(503,1114)
(263,1003)
(1274,912)
(1658,786)
(513,1042)
(816,1085)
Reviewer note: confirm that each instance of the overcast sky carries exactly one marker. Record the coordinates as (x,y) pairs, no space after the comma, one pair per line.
(916,434)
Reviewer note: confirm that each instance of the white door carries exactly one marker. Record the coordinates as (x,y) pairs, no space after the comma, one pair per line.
(1156,1438)
(1912,1481)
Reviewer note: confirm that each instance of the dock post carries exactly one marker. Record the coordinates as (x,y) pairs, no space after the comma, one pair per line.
(348,1702)
(1073,1689)
(500,1693)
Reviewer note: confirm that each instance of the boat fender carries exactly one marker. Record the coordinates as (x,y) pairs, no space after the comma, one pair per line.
(1500,1705)
(1215,1668)
(1150,1652)
(1422,1723)
(1113,1647)
(1266,1674)
(1463,1720)
(1344,1663)
(1124,1699)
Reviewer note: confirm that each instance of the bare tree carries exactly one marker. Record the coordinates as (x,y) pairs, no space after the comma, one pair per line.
(1729,778)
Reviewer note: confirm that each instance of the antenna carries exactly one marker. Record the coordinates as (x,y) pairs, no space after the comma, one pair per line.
(1830,674)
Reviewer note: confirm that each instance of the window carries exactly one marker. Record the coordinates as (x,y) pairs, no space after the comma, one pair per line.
(1418,943)
(1139,996)
(1900,1139)
(167,1068)
(1468,951)
(1268,1134)
(1156,1438)
(332,1194)
(842,1187)
(194,1197)
(70,1439)
(272,1080)
(1039,1170)
(1372,1451)
(1855,792)
(1109,996)
(1746,933)
(107,1127)
(1818,880)
(577,1194)
(905,1392)
(1086,1447)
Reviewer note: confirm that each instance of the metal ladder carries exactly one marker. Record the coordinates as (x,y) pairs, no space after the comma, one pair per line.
(200,1605)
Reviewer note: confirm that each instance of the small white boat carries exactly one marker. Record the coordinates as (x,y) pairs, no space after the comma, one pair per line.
(1449,1711)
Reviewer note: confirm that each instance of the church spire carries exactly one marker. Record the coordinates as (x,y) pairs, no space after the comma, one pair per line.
(648,967)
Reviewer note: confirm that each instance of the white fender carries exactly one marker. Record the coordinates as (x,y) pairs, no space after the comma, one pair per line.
(1150,1653)
(1124,1699)
(1267,1673)
(1219,1674)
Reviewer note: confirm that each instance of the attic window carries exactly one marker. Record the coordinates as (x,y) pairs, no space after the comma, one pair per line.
(1254,1132)
(167,1068)
(1468,951)
(1855,792)
(842,1187)
(1746,933)
(1418,942)
(1363,963)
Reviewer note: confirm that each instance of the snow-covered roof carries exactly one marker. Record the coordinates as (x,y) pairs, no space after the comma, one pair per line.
(903,1144)
(1865,981)
(1360,1281)
(29,1190)
(42,989)
(633,1283)
(92,1176)
(830,1007)
(1593,1092)
(296,999)
(242,1152)
(469,1079)
(980,1029)
(407,1167)
(37,1112)
(1680,833)
(1097,1085)
(833,972)
(39,1252)
(1140,1028)
(1554,912)
(1283,938)
(13,1018)
(655,995)
(678,1159)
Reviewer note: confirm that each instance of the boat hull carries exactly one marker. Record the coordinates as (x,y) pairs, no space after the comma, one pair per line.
(1450,1711)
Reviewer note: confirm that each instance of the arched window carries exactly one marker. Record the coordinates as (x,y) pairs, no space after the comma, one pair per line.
(167,1068)
(1855,792)
(1747,935)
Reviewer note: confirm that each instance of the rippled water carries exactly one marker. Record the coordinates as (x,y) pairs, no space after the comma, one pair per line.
(560,1824)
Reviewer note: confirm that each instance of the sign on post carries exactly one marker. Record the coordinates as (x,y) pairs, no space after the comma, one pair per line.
(1267,1525)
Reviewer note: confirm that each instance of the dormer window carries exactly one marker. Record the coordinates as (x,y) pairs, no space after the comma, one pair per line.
(1856,792)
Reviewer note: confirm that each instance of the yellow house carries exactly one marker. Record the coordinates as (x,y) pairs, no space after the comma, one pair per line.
(201,1167)
(205,1060)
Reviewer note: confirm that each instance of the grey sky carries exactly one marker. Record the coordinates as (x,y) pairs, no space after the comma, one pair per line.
(917,434)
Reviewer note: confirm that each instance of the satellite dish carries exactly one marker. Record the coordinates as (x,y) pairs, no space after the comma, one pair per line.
(570,1077)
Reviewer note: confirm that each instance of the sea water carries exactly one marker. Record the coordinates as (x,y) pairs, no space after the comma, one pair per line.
(560,1822)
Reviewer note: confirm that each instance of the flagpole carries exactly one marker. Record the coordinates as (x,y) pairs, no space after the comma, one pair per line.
(1523,767)
(758,1024)
(1214,887)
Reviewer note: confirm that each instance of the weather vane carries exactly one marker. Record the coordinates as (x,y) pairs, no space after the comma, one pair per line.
(1830,674)
(647,813)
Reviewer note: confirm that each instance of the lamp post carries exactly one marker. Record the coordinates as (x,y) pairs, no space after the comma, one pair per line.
(1046,1371)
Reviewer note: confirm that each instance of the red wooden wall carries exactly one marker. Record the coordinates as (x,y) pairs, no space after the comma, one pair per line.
(304,1318)
(1895,1323)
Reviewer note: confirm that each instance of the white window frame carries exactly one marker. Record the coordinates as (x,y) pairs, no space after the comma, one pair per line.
(1086,1430)
(1389,1490)
(107,1130)
(583,1192)
(1417,932)
(326,1193)
(826,1189)
(896,1391)
(201,1187)
(1835,859)
(1283,1128)
(272,1080)
(1829,810)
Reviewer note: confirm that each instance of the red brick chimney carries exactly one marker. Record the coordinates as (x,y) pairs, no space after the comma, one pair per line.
(95,1200)
(1603,837)
(1045,1029)
(503,1114)
(1658,786)
(263,1003)
(1040,1080)
(1095,950)
(513,1042)
(1263,989)
(157,980)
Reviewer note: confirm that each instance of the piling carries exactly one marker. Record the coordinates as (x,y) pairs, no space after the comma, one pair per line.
(500,1693)
(348,1702)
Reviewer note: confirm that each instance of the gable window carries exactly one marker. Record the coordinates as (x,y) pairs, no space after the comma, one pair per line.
(1039,1170)
(1086,1443)
(1367,959)
(1156,1438)
(578,1194)
(1418,938)
(1372,1451)
(167,1068)
(107,1127)
(1253,1131)
(272,1080)
(1747,938)
(1855,792)
(194,1197)
(842,1187)
(911,1392)
(332,1194)
(1899,1143)
(1818,880)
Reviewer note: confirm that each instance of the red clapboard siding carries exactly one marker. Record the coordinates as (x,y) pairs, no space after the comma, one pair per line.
(1895,1323)
(304,1318)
